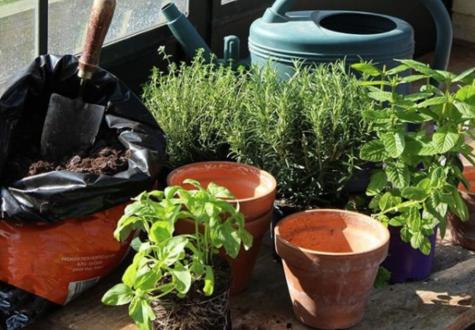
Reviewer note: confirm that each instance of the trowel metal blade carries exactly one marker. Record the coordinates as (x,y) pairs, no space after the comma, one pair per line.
(70,125)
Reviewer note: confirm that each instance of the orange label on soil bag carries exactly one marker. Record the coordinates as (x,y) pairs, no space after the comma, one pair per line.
(59,261)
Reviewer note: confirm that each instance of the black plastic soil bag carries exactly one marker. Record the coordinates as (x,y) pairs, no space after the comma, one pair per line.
(59,195)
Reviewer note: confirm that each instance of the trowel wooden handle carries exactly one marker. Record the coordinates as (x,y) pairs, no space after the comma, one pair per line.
(101,16)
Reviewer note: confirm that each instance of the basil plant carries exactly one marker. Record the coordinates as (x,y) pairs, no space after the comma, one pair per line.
(419,138)
(167,263)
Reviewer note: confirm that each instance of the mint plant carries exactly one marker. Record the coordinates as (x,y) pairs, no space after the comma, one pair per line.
(168,264)
(421,169)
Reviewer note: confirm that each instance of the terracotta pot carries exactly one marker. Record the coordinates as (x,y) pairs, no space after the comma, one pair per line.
(330,260)
(463,233)
(253,188)
(243,265)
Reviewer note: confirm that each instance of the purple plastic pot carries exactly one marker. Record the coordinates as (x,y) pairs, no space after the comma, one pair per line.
(405,263)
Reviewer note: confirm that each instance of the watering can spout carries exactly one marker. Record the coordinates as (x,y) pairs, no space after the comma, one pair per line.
(276,13)
(181,28)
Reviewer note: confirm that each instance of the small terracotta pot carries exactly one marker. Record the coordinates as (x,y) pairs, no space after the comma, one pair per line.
(243,265)
(253,188)
(463,233)
(330,260)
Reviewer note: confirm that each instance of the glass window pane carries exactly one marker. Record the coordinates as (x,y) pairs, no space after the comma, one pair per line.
(68,21)
(17,36)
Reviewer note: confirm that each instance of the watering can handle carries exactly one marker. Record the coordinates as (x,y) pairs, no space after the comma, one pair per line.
(277,13)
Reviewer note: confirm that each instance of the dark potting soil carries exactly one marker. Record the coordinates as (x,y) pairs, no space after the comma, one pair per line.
(106,157)
(196,311)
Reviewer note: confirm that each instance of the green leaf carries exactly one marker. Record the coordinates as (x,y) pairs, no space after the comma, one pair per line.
(414,193)
(423,68)
(438,100)
(373,151)
(141,312)
(428,149)
(161,231)
(425,246)
(382,279)
(247,239)
(383,116)
(120,294)
(398,174)
(373,83)
(182,277)
(208,288)
(418,96)
(416,240)
(467,110)
(219,192)
(466,94)
(398,221)
(425,185)
(410,116)
(125,226)
(231,242)
(374,203)
(194,183)
(398,69)
(377,182)
(130,274)
(147,278)
(367,68)
(458,207)
(464,75)
(412,78)
(174,249)
(394,143)
(437,177)
(381,96)
(445,140)
(388,201)
(413,218)
(405,234)
(136,244)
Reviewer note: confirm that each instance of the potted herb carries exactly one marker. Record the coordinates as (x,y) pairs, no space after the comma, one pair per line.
(417,185)
(193,104)
(176,281)
(306,131)
(255,191)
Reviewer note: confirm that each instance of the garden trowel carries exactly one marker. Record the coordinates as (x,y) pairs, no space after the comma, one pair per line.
(72,125)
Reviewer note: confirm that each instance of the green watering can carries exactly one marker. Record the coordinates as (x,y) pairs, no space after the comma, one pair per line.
(319,36)
(325,36)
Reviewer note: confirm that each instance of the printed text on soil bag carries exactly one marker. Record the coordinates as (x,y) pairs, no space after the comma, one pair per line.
(79,264)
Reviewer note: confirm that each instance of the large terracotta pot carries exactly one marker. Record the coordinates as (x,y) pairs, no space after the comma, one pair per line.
(243,265)
(330,260)
(463,233)
(253,188)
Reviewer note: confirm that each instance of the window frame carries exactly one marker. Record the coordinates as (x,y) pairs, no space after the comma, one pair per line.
(125,48)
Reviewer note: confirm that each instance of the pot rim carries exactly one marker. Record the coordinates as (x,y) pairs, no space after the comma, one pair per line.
(384,242)
(260,172)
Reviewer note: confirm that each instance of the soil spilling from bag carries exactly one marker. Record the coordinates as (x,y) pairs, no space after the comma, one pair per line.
(106,157)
